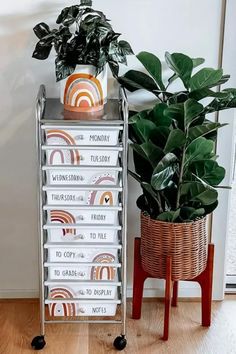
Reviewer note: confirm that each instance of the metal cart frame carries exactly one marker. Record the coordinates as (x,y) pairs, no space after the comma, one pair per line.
(120,342)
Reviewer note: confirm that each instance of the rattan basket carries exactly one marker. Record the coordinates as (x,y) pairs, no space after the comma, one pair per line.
(186,243)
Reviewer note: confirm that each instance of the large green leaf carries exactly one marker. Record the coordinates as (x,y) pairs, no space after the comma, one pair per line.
(192,109)
(169,216)
(176,140)
(197,192)
(206,77)
(199,149)
(176,112)
(149,151)
(160,135)
(143,129)
(208,170)
(219,104)
(157,115)
(164,171)
(135,80)
(206,92)
(190,213)
(153,65)
(182,65)
(201,130)
(197,61)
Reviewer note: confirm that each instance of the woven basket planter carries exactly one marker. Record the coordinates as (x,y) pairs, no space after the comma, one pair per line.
(186,243)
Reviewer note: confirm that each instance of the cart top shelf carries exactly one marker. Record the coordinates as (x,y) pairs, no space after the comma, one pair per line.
(54,113)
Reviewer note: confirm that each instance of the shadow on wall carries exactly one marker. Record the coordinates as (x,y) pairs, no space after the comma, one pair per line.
(20,74)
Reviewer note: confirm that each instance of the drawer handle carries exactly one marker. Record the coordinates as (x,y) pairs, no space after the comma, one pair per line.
(80,217)
(81,310)
(81,255)
(79,137)
(81,274)
(81,198)
(81,292)
(81,158)
(79,237)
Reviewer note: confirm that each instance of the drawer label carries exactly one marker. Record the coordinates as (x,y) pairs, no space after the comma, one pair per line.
(99,235)
(99,310)
(101,137)
(100,159)
(66,178)
(66,197)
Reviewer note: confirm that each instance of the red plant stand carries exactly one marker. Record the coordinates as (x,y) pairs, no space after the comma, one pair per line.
(171,288)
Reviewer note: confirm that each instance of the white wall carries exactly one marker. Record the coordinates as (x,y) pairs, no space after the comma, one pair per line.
(188,26)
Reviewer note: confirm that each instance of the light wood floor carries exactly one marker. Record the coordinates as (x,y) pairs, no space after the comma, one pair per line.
(19,324)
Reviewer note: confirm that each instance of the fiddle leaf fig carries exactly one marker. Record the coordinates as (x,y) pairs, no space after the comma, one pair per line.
(206,77)
(153,66)
(164,172)
(182,65)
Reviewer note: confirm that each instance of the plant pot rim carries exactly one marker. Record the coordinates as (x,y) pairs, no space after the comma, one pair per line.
(146,215)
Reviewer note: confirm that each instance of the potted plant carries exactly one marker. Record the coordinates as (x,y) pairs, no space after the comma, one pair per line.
(84,43)
(175,161)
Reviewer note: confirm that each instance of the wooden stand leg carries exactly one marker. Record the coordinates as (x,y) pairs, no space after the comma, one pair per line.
(167,298)
(205,280)
(175,294)
(139,277)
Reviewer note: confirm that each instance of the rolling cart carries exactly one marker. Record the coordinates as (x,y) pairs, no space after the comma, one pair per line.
(82,196)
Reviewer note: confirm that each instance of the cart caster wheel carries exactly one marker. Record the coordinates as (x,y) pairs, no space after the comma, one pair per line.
(120,342)
(38,343)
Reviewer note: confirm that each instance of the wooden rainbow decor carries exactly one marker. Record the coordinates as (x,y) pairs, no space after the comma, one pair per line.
(60,137)
(60,308)
(84,92)
(103,272)
(63,217)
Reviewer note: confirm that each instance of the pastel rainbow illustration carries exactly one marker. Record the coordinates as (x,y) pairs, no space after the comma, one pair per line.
(105,198)
(63,217)
(62,309)
(83,91)
(60,137)
(103,272)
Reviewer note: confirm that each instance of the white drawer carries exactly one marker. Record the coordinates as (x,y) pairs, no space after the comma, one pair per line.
(81,175)
(82,290)
(60,155)
(101,272)
(82,135)
(84,215)
(104,195)
(82,308)
(89,234)
(82,253)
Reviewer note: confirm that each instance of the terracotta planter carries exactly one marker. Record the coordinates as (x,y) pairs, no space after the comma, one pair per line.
(83,91)
(185,242)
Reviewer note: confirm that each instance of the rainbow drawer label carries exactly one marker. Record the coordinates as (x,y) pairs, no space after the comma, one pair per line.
(102,272)
(81,197)
(63,308)
(83,136)
(85,215)
(82,157)
(81,176)
(80,254)
(67,233)
(82,291)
